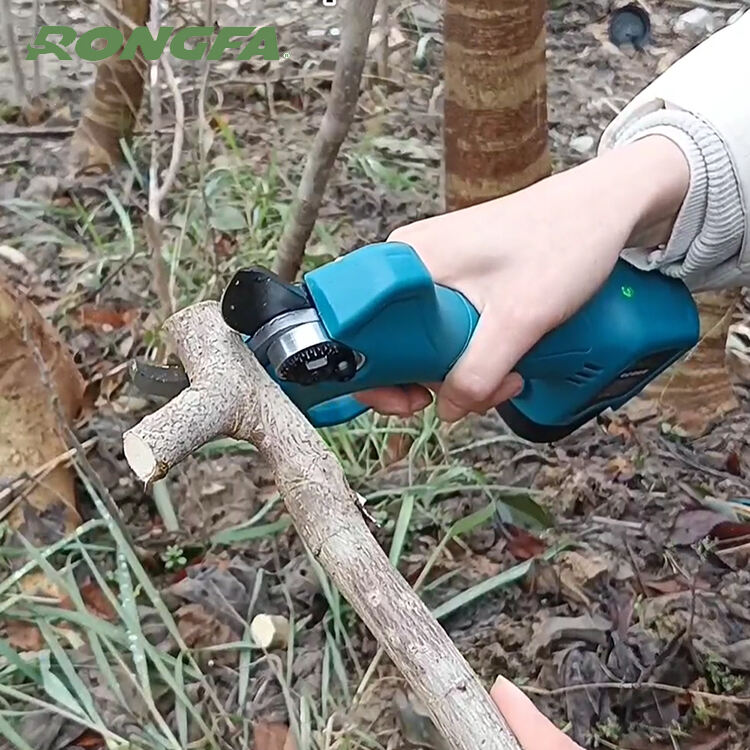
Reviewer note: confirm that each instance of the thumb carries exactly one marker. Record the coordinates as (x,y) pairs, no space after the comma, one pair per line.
(479,376)
(533,730)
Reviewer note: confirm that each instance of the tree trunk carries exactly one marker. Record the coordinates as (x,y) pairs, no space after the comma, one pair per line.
(697,392)
(495,99)
(112,105)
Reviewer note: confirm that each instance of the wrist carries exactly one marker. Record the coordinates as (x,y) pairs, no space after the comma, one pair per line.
(653,177)
(625,197)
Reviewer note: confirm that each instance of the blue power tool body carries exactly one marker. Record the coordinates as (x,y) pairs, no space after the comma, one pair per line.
(375,317)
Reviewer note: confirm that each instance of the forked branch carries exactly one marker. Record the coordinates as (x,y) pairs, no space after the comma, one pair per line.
(230,394)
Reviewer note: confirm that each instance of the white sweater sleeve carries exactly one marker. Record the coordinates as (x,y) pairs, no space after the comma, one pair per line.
(702,103)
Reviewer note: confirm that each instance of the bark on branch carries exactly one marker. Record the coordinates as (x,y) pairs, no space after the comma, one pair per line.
(232,395)
(336,122)
(19,80)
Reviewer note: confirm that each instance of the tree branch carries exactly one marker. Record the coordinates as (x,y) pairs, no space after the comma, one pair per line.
(157,193)
(19,80)
(333,129)
(384,27)
(231,394)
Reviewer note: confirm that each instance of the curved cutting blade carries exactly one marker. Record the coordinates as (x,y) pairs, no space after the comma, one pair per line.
(158,380)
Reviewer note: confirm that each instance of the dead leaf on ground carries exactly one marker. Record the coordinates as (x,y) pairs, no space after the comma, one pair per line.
(223,588)
(417,728)
(738,654)
(397,447)
(23,636)
(581,569)
(95,600)
(691,526)
(733,464)
(482,567)
(640,410)
(47,730)
(523,545)
(102,386)
(106,319)
(584,708)
(620,426)
(34,112)
(90,740)
(621,468)
(711,741)
(199,628)
(225,246)
(729,532)
(570,574)
(219,122)
(672,585)
(272,736)
(37,584)
(590,628)
(29,426)
(300,579)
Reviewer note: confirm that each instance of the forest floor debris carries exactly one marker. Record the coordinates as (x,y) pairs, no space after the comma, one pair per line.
(606,574)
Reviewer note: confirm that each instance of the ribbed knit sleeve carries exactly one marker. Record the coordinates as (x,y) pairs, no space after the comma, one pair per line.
(701,102)
(708,233)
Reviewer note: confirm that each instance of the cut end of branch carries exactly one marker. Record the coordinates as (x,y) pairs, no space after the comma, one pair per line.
(270,631)
(140,457)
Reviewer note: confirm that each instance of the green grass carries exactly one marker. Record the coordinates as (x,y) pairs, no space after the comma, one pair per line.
(392,164)
(156,685)
(216,221)
(125,662)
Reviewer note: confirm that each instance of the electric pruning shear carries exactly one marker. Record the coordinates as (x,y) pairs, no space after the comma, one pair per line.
(374,317)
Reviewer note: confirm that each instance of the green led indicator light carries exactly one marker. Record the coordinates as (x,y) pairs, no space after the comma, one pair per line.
(628,291)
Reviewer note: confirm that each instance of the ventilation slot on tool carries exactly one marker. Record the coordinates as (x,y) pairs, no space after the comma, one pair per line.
(575,380)
(585,374)
(592,368)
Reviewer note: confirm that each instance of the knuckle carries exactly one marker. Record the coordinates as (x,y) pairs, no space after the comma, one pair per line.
(401,234)
(471,388)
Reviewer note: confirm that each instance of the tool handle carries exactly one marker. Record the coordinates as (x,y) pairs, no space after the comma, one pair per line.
(381,301)
(636,325)
(422,346)
(411,341)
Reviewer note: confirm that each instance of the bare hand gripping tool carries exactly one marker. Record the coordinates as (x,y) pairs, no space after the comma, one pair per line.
(375,317)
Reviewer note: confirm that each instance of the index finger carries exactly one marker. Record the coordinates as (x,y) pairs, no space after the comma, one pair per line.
(533,730)
(401,401)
